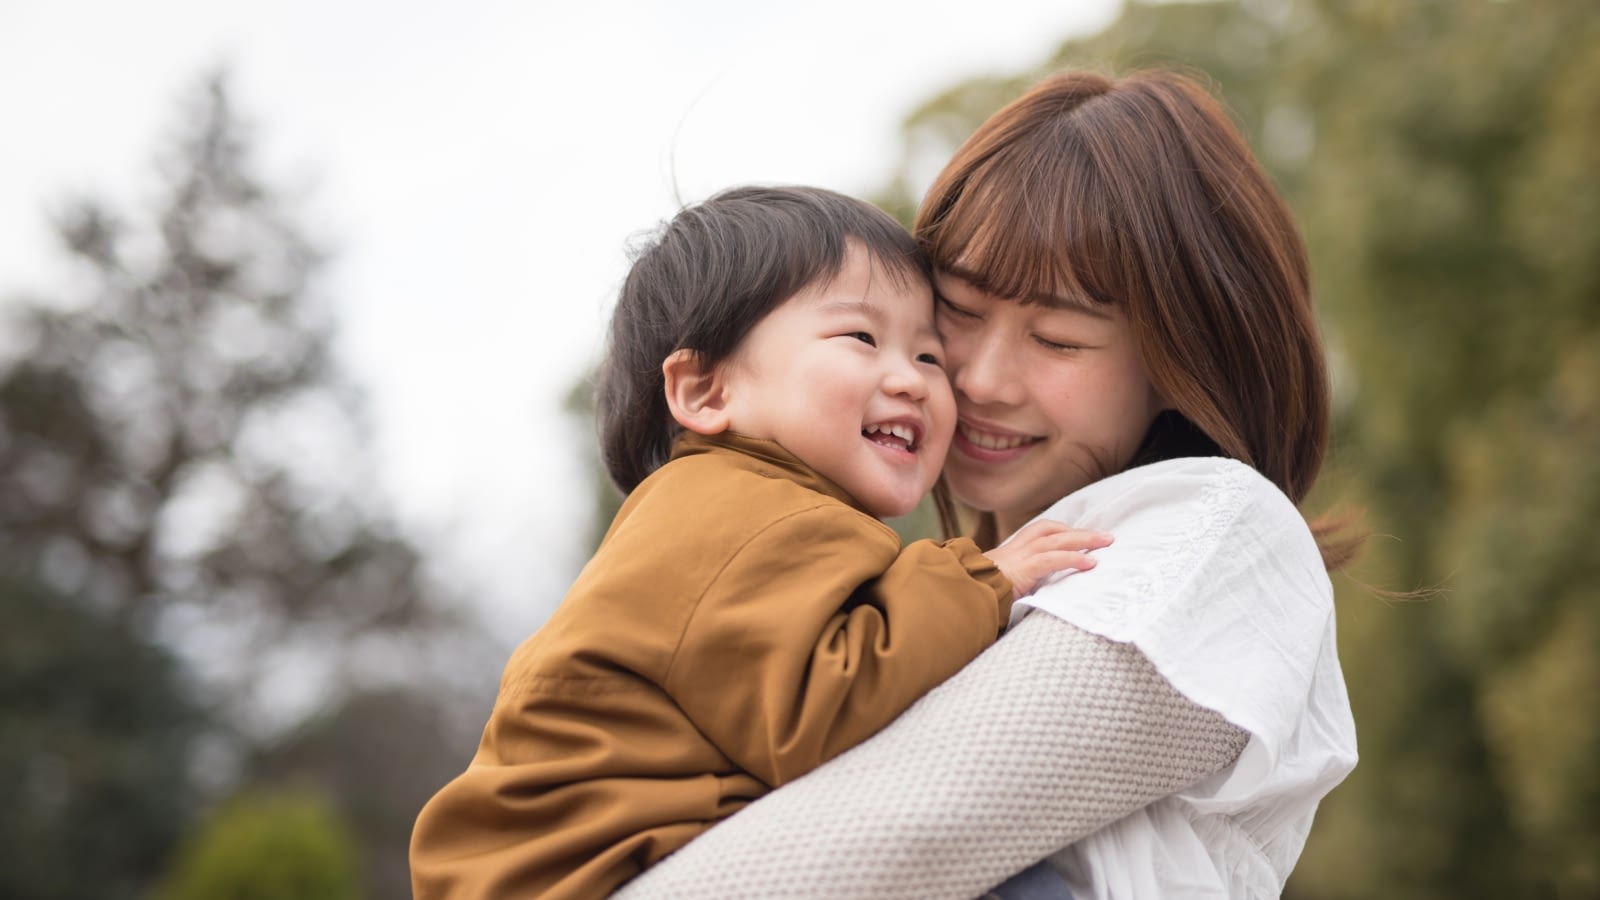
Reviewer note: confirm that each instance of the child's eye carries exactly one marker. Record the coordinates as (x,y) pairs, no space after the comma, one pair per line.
(864,338)
(930,359)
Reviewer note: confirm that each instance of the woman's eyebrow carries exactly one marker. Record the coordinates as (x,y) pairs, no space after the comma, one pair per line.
(1071,303)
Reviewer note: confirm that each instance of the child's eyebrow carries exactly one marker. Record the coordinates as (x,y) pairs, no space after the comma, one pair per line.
(875,312)
(870,310)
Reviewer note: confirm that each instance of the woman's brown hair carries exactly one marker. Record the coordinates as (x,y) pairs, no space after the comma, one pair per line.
(1139,192)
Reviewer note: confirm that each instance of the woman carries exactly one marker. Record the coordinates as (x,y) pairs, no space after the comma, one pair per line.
(1126,311)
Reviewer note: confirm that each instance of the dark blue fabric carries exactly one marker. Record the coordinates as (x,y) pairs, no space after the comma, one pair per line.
(1037,882)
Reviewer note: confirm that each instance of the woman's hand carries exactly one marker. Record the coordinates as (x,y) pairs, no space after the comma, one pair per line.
(1042,547)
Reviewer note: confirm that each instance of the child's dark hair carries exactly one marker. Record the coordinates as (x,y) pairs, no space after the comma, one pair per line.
(705,280)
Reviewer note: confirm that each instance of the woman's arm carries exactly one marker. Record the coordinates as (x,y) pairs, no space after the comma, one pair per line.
(1049,735)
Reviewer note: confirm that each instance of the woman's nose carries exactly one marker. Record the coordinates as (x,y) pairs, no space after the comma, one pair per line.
(983,368)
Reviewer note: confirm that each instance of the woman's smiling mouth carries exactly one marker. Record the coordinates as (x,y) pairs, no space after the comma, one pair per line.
(992,440)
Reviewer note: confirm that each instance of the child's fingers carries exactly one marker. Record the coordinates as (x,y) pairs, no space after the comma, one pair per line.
(1042,548)
(1026,573)
(1046,528)
(1045,535)
(1058,560)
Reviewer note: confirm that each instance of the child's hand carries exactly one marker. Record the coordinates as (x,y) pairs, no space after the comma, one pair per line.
(1042,547)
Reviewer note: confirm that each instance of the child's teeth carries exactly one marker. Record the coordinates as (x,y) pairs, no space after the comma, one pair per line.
(903,432)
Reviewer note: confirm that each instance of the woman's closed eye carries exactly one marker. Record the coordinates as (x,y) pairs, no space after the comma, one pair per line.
(959,312)
(1060,346)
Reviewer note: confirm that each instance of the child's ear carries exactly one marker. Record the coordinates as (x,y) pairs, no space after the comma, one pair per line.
(695,393)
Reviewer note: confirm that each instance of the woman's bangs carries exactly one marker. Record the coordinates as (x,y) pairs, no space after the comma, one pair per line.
(1013,238)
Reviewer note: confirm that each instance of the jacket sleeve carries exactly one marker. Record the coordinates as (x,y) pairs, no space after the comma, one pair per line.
(818,632)
(1048,736)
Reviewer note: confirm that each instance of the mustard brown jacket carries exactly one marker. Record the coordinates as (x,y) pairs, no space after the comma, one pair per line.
(742,623)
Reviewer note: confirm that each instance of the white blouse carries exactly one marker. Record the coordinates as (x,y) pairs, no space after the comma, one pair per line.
(1215,578)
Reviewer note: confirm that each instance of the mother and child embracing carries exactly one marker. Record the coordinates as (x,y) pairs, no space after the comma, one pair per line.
(1099,339)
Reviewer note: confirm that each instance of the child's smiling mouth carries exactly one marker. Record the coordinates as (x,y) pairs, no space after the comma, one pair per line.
(895,435)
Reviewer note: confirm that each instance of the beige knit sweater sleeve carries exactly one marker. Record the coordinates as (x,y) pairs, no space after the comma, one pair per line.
(1047,736)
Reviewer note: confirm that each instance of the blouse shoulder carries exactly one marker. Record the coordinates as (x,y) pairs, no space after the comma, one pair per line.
(1214,575)
(1194,484)
(1189,537)
(1176,513)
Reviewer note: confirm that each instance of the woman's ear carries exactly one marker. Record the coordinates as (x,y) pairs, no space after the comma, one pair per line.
(695,393)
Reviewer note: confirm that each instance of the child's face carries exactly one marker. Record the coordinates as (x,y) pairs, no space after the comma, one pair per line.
(848,376)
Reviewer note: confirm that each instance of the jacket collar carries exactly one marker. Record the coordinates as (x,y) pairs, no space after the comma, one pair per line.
(764,457)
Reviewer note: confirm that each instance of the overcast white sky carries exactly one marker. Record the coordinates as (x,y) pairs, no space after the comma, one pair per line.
(480,166)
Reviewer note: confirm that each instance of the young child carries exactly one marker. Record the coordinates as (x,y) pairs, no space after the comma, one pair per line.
(772,390)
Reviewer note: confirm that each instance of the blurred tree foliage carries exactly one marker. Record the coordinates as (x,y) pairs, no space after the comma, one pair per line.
(268,847)
(175,442)
(95,728)
(379,756)
(1443,157)
(191,553)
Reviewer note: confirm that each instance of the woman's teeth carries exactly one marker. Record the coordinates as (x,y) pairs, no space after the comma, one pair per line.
(994,441)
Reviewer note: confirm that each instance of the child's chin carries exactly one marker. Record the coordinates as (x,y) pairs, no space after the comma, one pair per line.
(895,510)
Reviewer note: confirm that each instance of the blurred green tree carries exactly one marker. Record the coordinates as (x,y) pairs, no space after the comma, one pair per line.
(183,466)
(377,757)
(178,444)
(268,847)
(1441,157)
(95,733)
(1452,195)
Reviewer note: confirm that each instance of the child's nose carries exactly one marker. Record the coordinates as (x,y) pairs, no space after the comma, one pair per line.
(906,378)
